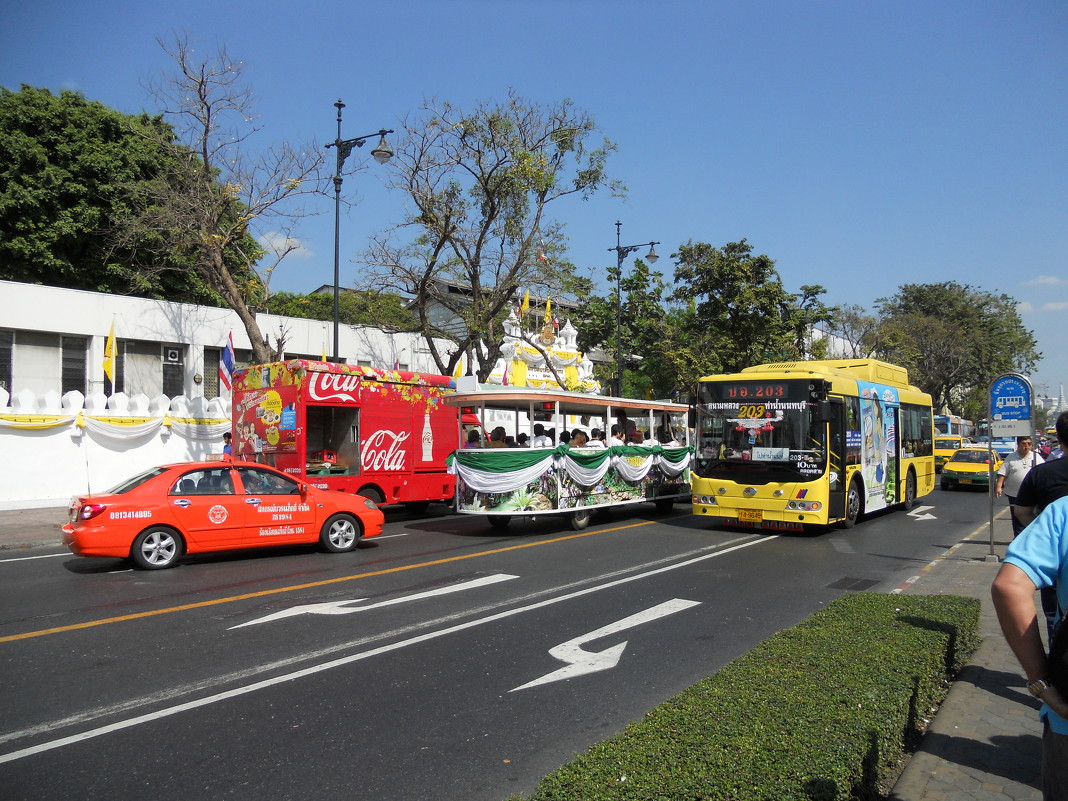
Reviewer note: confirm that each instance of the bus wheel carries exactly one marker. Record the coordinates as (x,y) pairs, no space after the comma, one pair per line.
(910,491)
(581,519)
(854,505)
(373,493)
(500,522)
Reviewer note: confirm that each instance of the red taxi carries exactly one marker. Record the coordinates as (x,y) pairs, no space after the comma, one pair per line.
(195,507)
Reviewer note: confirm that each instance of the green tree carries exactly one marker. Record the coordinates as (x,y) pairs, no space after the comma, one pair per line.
(67,161)
(858,329)
(955,340)
(742,314)
(476,236)
(375,309)
(216,193)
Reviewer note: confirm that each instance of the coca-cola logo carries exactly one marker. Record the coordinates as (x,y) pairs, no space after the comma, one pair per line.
(333,386)
(384,450)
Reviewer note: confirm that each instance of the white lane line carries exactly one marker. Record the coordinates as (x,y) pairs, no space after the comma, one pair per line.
(352,658)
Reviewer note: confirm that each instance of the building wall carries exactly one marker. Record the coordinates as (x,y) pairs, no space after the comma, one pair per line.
(56,440)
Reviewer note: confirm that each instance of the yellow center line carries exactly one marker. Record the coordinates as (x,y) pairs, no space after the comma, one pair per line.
(262,593)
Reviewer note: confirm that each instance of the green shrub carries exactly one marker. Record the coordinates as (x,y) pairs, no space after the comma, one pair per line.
(823,710)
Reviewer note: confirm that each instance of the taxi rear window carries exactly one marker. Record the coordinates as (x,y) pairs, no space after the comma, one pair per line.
(135,482)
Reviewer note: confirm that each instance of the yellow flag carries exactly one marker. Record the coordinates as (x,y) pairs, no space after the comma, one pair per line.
(548,310)
(459,371)
(109,355)
(324,353)
(526,302)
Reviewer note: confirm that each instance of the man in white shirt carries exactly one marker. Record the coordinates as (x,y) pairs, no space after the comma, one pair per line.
(616,435)
(541,439)
(1011,474)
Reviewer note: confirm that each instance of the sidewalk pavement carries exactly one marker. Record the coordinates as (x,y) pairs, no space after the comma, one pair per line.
(984,743)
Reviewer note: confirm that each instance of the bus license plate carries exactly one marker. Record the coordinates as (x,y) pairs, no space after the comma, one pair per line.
(751,515)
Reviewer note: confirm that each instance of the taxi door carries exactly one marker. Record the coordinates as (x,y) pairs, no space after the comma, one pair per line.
(274,510)
(205,508)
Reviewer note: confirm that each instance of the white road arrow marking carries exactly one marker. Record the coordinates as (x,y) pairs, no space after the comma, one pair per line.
(344,608)
(919,511)
(581,662)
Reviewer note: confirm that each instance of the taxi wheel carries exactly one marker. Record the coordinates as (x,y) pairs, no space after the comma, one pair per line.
(156,548)
(340,533)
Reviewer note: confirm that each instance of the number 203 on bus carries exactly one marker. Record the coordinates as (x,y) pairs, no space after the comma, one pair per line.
(755,390)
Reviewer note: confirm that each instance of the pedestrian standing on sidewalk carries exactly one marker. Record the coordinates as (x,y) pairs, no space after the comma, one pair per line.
(1038,558)
(1012,472)
(1041,487)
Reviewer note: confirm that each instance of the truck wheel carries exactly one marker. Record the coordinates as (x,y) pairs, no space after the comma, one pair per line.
(373,493)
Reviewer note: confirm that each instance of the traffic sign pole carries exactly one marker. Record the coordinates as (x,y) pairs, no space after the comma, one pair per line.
(1010,416)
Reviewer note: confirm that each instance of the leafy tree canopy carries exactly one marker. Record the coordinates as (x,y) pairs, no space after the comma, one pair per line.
(477,236)
(741,313)
(379,310)
(66,163)
(955,340)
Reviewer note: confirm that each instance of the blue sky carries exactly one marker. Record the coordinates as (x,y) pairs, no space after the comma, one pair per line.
(861,145)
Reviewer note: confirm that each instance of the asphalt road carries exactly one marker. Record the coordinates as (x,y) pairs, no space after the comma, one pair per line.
(440,661)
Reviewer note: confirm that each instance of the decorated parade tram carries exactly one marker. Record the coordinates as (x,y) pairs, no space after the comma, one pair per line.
(573,473)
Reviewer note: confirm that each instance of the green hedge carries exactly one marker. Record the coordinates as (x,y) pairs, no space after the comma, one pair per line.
(823,710)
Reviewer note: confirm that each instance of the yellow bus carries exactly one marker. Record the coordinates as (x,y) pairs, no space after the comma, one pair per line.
(783,446)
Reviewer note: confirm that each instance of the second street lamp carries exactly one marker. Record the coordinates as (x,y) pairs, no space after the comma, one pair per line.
(622,251)
(343,147)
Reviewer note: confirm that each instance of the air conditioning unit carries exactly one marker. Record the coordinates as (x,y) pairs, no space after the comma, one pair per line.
(172,355)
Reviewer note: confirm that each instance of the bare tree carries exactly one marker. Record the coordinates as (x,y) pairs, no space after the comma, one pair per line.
(477,234)
(217,194)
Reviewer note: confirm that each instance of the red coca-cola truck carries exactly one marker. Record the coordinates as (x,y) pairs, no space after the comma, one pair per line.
(384,434)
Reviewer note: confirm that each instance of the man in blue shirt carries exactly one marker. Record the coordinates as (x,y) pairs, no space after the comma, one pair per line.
(1038,558)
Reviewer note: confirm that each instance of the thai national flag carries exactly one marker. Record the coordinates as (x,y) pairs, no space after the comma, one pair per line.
(226,364)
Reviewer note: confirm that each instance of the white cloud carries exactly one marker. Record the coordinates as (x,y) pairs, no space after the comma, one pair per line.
(1026,307)
(278,243)
(1048,280)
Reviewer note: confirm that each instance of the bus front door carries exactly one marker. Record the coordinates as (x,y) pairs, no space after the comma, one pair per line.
(836,461)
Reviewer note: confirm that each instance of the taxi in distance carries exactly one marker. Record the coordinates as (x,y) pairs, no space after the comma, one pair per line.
(945,446)
(969,467)
(156,517)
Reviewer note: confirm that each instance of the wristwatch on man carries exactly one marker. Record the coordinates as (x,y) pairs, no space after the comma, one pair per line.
(1036,688)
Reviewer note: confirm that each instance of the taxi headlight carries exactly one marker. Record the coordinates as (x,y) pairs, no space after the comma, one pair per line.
(369,503)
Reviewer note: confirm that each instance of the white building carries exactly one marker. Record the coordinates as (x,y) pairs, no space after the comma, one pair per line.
(63,430)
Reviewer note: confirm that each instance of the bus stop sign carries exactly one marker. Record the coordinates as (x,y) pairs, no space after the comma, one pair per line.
(1010,406)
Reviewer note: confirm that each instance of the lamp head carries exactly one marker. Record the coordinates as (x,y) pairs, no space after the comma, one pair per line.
(382,152)
(652,255)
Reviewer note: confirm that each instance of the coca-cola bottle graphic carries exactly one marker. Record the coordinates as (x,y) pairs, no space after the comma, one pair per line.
(428,439)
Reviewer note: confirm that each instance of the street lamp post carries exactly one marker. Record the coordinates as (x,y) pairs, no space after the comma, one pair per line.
(622,251)
(343,147)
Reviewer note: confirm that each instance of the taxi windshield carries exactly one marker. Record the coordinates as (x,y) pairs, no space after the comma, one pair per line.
(976,456)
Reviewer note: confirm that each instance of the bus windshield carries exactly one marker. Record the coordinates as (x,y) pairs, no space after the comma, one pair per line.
(774,437)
